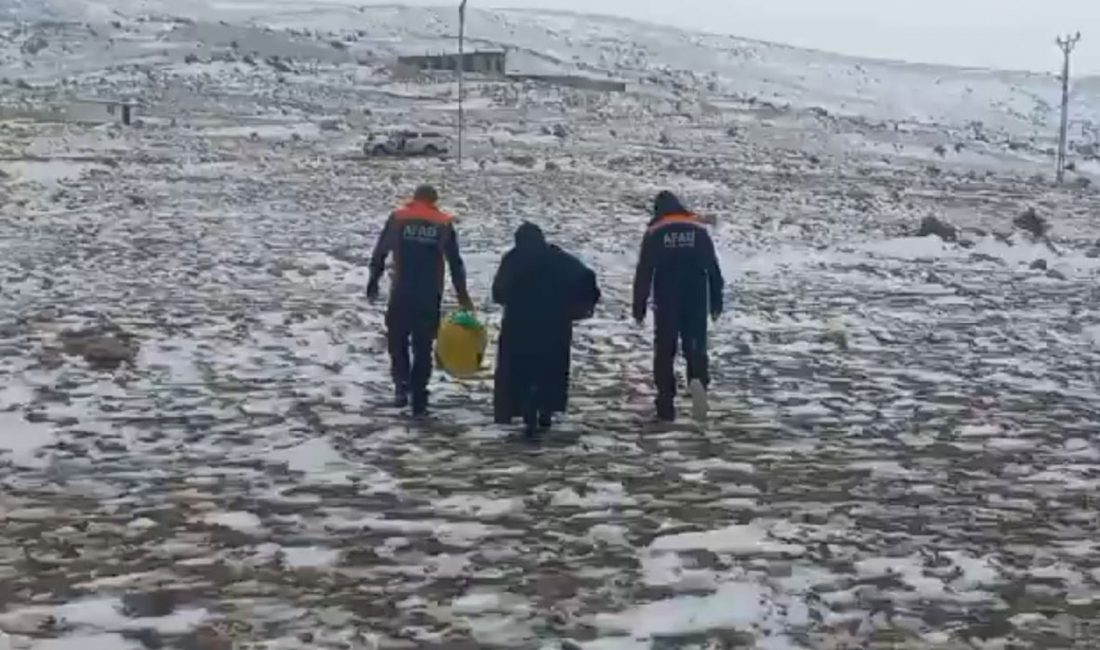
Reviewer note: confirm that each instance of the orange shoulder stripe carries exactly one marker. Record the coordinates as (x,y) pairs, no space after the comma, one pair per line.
(422,212)
(670,219)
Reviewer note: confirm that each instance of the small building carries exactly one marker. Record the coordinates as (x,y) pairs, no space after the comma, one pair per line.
(575,81)
(488,62)
(99,111)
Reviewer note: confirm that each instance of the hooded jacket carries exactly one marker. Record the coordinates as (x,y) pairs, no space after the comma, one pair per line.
(678,264)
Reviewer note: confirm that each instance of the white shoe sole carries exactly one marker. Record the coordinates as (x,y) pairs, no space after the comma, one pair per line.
(699,406)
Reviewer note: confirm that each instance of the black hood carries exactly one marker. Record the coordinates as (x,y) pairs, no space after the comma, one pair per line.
(530,237)
(667,203)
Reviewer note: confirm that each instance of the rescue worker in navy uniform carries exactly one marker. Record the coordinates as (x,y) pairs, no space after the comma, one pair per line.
(421,238)
(679,265)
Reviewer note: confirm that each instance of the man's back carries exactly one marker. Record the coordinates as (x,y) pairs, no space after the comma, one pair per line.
(421,238)
(682,257)
(678,264)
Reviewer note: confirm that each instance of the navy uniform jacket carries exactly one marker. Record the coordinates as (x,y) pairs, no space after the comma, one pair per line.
(679,265)
(421,238)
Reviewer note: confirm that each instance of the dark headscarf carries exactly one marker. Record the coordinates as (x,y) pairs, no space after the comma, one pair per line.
(529,238)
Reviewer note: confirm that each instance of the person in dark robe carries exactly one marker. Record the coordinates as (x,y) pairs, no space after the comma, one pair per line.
(544,290)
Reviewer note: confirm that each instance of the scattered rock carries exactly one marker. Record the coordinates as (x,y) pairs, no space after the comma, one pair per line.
(104,348)
(551,166)
(527,162)
(148,638)
(331,125)
(959,146)
(338,45)
(555,586)
(191,58)
(278,64)
(1032,223)
(1082,182)
(559,131)
(1055,274)
(1039,265)
(149,604)
(941,151)
(34,45)
(206,638)
(933,226)
(136,199)
(835,336)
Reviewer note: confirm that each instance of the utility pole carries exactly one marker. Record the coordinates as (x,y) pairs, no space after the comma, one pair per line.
(461,70)
(1066,45)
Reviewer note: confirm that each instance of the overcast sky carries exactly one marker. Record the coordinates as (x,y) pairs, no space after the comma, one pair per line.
(1016,34)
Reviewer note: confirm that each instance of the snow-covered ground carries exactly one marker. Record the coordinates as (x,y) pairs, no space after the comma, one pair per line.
(195,450)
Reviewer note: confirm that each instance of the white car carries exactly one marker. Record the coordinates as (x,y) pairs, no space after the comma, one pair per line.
(409,143)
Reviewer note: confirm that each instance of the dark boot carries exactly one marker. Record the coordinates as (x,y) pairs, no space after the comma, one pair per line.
(546,421)
(530,413)
(530,422)
(420,403)
(666,410)
(400,397)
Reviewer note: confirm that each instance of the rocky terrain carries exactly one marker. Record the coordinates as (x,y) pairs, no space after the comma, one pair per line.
(195,447)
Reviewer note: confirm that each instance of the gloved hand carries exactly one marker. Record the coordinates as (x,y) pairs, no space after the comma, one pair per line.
(639,315)
(372,289)
(465,302)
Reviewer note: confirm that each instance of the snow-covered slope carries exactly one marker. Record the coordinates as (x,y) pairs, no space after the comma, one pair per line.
(717,66)
(195,446)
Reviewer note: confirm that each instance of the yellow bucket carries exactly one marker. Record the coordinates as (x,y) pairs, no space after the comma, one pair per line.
(461,344)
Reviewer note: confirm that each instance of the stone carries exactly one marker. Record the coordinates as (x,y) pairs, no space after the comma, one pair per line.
(527,162)
(103,348)
(279,64)
(1031,222)
(152,604)
(34,45)
(934,226)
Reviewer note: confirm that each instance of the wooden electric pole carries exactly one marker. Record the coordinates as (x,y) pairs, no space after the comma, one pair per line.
(1066,45)
(461,70)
